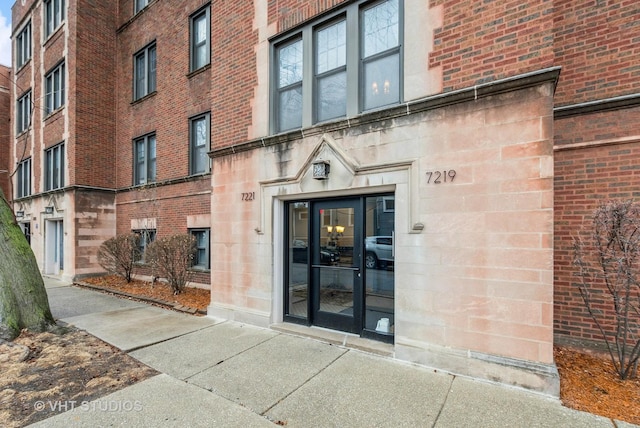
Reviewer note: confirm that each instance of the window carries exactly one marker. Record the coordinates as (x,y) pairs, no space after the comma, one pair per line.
(139,5)
(199,144)
(200,38)
(202,260)
(320,75)
(144,169)
(145,237)
(54,89)
(23,113)
(23,187)
(23,45)
(54,168)
(144,72)
(53,15)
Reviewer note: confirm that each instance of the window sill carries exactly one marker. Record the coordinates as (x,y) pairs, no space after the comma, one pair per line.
(22,133)
(54,35)
(22,66)
(199,70)
(196,269)
(139,100)
(48,117)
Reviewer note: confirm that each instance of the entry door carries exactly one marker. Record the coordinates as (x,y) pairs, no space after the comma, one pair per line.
(54,242)
(336,254)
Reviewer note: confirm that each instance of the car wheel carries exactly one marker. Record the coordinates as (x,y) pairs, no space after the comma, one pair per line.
(370,261)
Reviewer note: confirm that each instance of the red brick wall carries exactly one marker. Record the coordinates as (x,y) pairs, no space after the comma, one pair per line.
(584,178)
(92,106)
(596,43)
(289,13)
(482,41)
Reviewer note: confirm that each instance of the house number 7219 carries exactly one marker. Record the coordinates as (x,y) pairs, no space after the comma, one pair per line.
(249,196)
(438,177)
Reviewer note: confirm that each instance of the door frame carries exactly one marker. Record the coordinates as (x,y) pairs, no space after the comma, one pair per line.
(350,323)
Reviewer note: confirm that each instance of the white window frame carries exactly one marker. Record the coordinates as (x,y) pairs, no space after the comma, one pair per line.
(23,113)
(23,46)
(148,163)
(54,84)
(147,68)
(23,179)
(54,16)
(206,263)
(356,64)
(54,167)
(196,151)
(196,45)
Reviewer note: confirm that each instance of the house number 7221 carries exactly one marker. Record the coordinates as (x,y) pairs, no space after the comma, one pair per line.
(438,177)
(249,196)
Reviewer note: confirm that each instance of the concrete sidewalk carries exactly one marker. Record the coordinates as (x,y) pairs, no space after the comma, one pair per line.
(221,373)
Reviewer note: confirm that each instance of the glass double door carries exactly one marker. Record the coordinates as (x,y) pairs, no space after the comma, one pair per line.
(339,264)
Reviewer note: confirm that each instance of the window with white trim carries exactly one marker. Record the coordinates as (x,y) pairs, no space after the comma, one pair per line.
(54,167)
(54,89)
(23,180)
(53,16)
(23,113)
(144,160)
(23,45)
(199,139)
(200,25)
(144,72)
(202,258)
(346,64)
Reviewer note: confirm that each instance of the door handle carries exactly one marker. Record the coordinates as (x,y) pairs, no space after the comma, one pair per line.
(353,268)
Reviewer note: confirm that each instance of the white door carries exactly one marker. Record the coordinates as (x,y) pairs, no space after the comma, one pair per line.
(54,247)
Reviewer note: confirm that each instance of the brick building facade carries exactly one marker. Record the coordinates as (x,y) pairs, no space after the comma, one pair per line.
(5,137)
(405,171)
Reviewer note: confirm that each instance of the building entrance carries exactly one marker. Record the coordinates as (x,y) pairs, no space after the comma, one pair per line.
(340,264)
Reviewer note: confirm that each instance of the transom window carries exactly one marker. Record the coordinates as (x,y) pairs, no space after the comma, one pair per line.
(53,15)
(23,113)
(54,168)
(144,72)
(144,168)
(199,144)
(23,45)
(23,181)
(54,89)
(201,260)
(200,39)
(345,65)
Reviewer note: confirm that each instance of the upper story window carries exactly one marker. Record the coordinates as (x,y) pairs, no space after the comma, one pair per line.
(199,144)
(23,46)
(54,167)
(23,181)
(144,160)
(200,51)
(23,113)
(144,72)
(53,16)
(139,5)
(346,64)
(54,89)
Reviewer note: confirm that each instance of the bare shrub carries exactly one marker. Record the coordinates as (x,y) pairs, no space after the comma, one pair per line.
(608,264)
(118,255)
(172,257)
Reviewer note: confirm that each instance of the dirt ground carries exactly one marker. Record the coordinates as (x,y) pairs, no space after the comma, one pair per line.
(42,372)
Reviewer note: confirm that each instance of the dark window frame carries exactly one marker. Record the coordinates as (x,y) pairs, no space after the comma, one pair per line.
(196,151)
(199,264)
(23,46)
(54,16)
(23,112)
(149,161)
(54,86)
(145,71)
(23,179)
(54,167)
(195,45)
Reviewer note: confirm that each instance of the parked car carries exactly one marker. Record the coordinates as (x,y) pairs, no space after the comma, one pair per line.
(378,252)
(327,256)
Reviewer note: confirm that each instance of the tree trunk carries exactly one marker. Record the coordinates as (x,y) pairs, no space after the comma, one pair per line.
(23,298)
